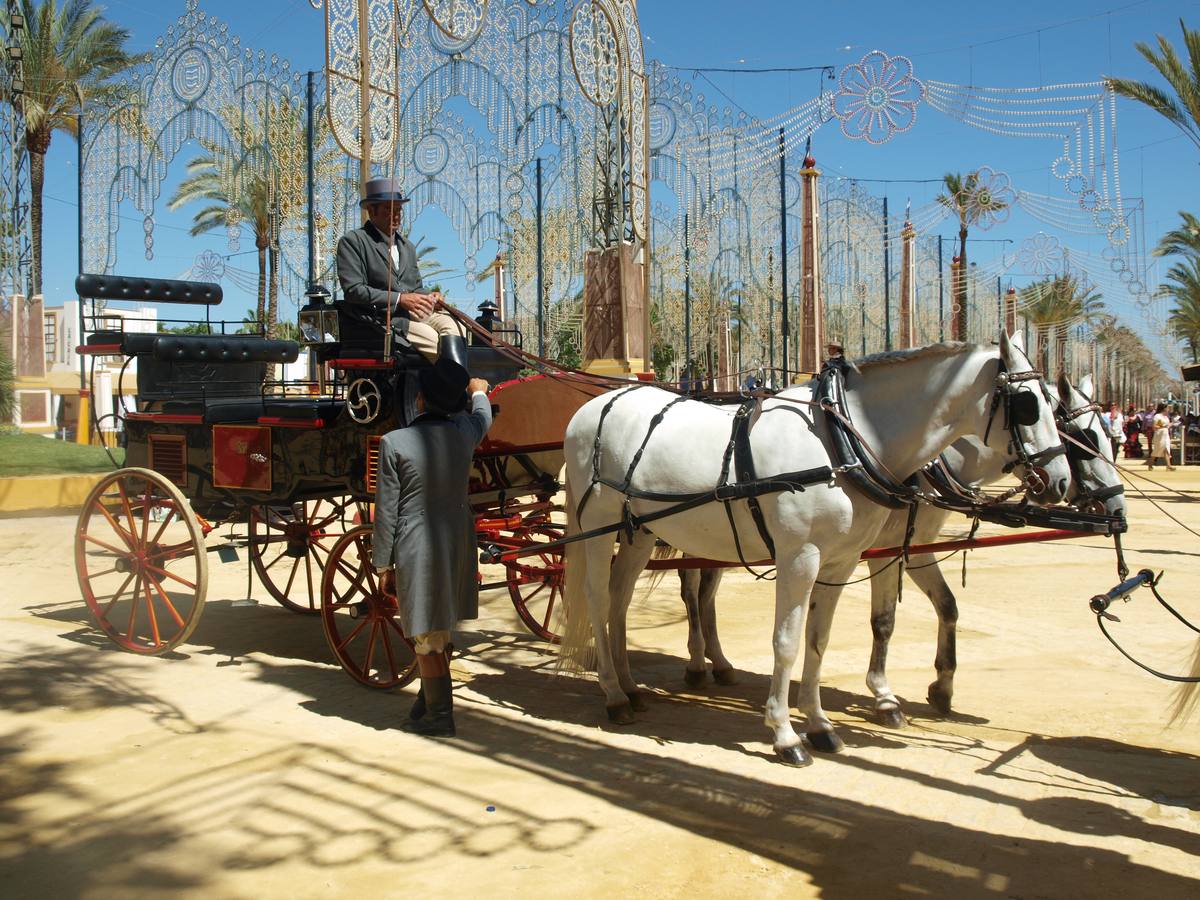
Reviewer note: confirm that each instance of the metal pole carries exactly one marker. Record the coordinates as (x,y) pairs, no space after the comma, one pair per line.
(941,296)
(79,342)
(312,213)
(541,296)
(887,281)
(364,110)
(999,304)
(783,279)
(687,297)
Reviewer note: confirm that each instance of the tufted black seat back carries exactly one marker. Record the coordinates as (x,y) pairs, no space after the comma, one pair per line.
(223,348)
(147,290)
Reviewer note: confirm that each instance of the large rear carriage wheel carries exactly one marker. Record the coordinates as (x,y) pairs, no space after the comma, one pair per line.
(360,622)
(141,561)
(535,582)
(290,546)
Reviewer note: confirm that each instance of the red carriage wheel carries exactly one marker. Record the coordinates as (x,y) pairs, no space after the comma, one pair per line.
(290,546)
(360,622)
(535,581)
(141,561)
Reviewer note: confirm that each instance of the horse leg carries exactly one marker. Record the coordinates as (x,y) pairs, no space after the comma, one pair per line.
(723,672)
(599,557)
(931,581)
(689,591)
(883,621)
(792,588)
(822,603)
(630,562)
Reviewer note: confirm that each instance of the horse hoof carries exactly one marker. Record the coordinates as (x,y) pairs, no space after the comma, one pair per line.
(726,677)
(637,701)
(940,701)
(892,718)
(694,679)
(794,756)
(825,742)
(621,714)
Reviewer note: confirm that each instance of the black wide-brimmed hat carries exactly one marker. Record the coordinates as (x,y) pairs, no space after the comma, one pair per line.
(382,190)
(444,384)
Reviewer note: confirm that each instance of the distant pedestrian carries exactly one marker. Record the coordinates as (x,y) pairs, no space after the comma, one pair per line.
(1160,437)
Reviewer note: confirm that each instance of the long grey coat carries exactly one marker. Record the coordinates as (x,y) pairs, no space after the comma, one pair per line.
(423,521)
(367,275)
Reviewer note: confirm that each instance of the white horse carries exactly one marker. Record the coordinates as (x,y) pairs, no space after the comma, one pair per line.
(1095,484)
(908,407)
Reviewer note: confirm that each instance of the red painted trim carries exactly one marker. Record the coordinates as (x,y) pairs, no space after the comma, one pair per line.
(165,418)
(360,364)
(281,422)
(99,350)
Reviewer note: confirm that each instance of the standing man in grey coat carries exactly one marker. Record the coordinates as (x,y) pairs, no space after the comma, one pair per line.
(424,540)
(377,268)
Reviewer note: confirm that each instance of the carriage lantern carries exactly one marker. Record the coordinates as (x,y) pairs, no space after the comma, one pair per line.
(318,321)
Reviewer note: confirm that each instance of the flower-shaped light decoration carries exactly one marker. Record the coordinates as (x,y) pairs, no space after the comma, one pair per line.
(988,197)
(878,97)
(208,266)
(1041,254)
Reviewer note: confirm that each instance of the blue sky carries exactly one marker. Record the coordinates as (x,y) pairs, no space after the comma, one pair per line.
(1019,43)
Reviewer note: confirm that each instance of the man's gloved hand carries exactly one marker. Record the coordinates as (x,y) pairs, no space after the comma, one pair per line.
(475,385)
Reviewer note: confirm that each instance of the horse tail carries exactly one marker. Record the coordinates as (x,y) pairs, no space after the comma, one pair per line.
(577,650)
(661,551)
(1187,695)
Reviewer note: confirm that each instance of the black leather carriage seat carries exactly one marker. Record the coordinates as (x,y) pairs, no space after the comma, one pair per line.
(223,348)
(251,409)
(131,342)
(147,290)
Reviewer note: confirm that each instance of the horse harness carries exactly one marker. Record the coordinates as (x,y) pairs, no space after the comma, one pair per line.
(1082,446)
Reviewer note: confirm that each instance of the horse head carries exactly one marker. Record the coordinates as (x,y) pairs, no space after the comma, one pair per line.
(1038,457)
(1096,483)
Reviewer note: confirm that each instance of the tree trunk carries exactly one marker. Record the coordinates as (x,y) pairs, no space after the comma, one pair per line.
(38,143)
(261,312)
(961,315)
(273,302)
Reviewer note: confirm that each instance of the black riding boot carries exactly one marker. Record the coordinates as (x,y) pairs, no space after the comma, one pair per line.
(437,719)
(419,707)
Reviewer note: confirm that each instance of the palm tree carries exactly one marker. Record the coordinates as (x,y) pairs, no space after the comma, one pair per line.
(69,56)
(1184,238)
(961,198)
(260,148)
(1183,109)
(1055,303)
(1183,286)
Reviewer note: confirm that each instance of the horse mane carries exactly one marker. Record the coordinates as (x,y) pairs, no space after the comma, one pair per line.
(890,357)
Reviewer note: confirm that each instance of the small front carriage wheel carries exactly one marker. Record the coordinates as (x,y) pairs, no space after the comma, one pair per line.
(141,561)
(360,622)
(535,582)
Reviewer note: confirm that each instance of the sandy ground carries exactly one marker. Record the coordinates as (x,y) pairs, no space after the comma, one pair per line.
(247,765)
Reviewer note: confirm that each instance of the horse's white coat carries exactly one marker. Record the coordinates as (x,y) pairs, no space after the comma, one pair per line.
(909,407)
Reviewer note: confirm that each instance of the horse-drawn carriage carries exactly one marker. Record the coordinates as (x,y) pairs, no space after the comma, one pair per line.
(289,464)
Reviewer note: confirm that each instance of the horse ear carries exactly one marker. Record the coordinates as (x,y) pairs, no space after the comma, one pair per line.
(1087,385)
(1018,340)
(1064,389)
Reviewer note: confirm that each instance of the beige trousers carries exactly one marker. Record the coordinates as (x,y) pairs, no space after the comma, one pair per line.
(423,334)
(431,642)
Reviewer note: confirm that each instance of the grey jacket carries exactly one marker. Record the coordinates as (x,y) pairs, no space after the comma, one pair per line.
(366,273)
(423,521)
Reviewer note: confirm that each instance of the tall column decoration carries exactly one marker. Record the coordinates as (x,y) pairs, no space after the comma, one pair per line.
(1010,311)
(812,314)
(908,284)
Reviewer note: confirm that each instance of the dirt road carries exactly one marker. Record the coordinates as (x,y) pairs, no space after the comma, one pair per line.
(248,765)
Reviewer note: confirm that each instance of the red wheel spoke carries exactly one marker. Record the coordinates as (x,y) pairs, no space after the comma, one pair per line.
(95,540)
(113,598)
(352,635)
(166,599)
(146,513)
(549,609)
(287,588)
(400,631)
(308,576)
(366,669)
(282,554)
(387,645)
(162,526)
(171,575)
(128,509)
(150,612)
(116,526)
(541,587)
(268,539)
(133,609)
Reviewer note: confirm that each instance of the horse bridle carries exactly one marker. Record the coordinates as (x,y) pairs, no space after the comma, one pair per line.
(1018,414)
(1087,500)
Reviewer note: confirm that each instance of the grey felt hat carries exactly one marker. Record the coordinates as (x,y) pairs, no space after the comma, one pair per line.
(382,190)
